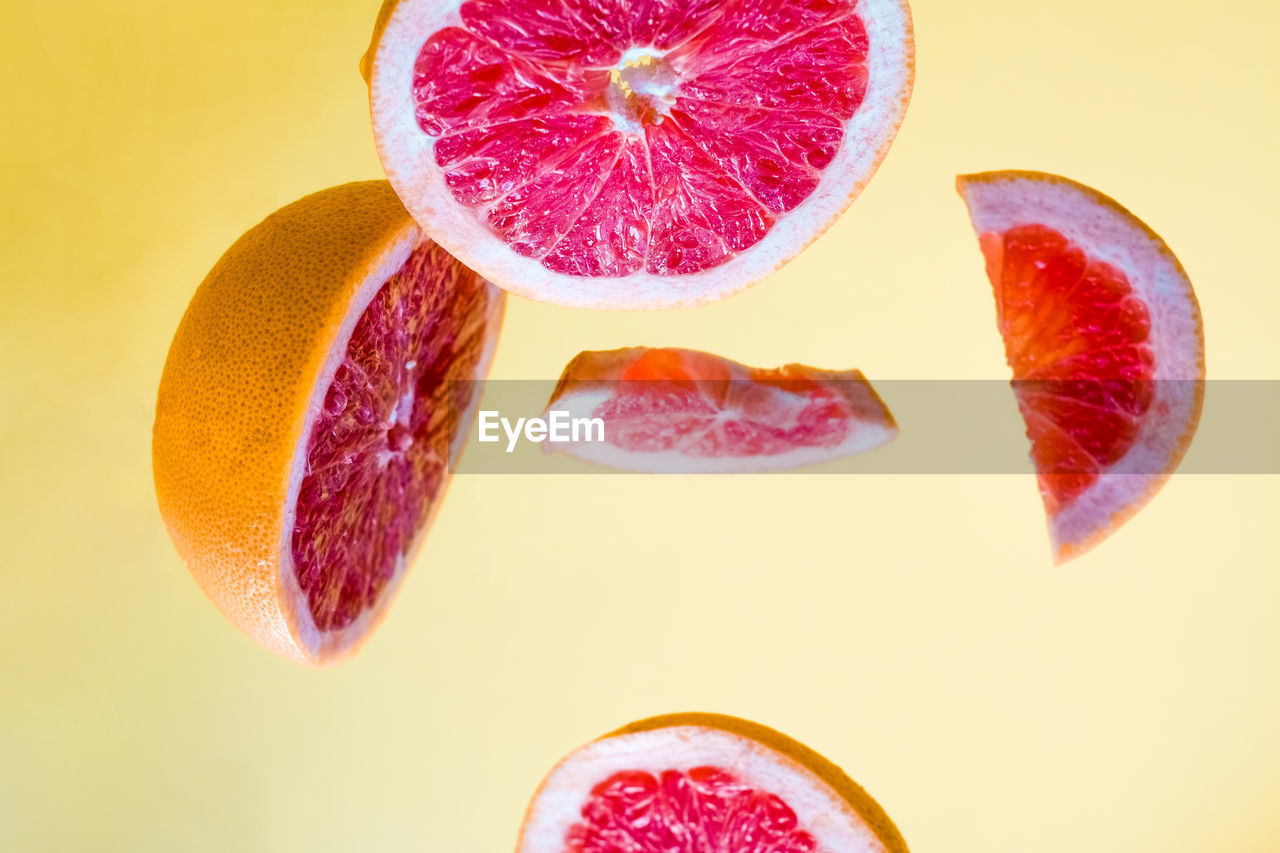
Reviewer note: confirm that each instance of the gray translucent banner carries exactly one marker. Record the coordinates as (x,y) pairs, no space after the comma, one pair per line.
(961,427)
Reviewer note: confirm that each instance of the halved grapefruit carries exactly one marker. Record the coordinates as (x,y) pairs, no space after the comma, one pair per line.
(610,154)
(1102,330)
(679,411)
(702,783)
(301,441)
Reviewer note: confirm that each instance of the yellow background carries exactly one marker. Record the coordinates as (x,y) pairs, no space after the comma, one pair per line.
(911,628)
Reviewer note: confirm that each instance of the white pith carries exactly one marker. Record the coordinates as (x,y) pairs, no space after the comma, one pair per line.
(863,435)
(819,809)
(407,156)
(642,71)
(333,645)
(1107,234)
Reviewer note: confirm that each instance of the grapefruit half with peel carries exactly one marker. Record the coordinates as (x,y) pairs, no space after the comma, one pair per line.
(1102,330)
(610,154)
(307,411)
(702,783)
(680,411)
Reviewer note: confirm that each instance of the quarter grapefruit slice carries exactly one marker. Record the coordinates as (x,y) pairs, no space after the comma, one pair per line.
(679,411)
(1102,330)
(609,154)
(301,441)
(702,783)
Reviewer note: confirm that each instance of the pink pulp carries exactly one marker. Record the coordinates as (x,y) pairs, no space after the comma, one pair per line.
(688,402)
(734,418)
(605,137)
(378,452)
(703,810)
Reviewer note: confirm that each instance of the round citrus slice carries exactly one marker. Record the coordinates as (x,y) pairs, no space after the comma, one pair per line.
(702,783)
(1102,330)
(610,154)
(679,411)
(307,412)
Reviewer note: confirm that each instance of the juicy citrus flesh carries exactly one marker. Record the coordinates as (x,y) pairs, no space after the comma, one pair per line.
(608,138)
(378,453)
(1077,338)
(699,810)
(692,403)
(702,783)
(1106,341)
(664,407)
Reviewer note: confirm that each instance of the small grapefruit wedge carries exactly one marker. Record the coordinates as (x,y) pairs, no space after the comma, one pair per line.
(702,783)
(679,411)
(1102,330)
(608,154)
(301,438)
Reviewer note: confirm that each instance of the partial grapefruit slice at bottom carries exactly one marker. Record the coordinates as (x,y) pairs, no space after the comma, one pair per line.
(702,783)
(301,439)
(648,154)
(683,411)
(1102,330)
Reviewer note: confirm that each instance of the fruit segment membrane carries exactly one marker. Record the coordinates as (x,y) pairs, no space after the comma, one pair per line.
(1077,338)
(379,447)
(703,810)
(605,137)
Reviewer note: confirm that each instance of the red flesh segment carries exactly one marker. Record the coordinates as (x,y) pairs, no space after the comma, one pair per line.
(484,166)
(703,810)
(749,27)
(1076,337)
(675,367)
(663,24)
(833,79)
(777,156)
(462,81)
(702,216)
(517,96)
(690,402)
(378,450)
(581,32)
(611,237)
(533,218)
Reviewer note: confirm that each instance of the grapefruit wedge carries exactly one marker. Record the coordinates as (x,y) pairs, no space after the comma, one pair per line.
(679,411)
(301,440)
(702,783)
(608,154)
(1102,330)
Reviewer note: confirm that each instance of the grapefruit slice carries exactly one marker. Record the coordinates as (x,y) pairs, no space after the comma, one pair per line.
(702,783)
(301,440)
(1102,330)
(604,154)
(679,411)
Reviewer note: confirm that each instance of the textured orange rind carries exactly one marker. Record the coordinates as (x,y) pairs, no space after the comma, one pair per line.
(242,376)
